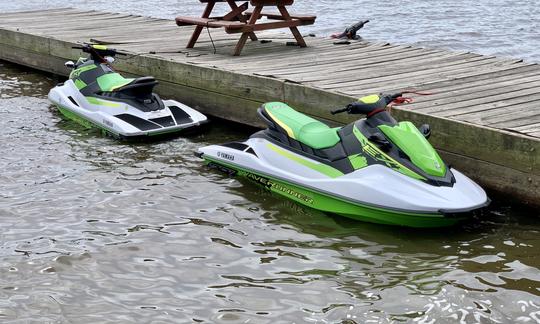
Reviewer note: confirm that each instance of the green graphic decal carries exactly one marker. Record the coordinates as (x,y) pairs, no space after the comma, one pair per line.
(83,121)
(112,81)
(358,161)
(320,167)
(379,155)
(409,139)
(96,101)
(80,84)
(77,72)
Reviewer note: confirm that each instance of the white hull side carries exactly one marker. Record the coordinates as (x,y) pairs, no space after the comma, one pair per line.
(375,185)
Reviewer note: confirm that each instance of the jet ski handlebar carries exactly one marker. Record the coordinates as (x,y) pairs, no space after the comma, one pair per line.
(339,111)
(368,105)
(100,50)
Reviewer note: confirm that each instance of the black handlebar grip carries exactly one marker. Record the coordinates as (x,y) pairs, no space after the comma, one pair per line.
(393,97)
(337,111)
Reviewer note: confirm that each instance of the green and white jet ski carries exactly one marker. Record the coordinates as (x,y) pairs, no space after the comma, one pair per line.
(96,96)
(374,169)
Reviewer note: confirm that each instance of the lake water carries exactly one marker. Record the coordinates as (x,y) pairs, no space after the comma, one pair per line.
(99,231)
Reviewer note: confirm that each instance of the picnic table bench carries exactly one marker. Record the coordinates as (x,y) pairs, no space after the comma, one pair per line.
(239,20)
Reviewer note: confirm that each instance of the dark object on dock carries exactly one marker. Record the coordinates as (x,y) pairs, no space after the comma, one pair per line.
(238,20)
(350,32)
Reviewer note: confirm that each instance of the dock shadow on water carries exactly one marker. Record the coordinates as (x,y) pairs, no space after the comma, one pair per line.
(100,231)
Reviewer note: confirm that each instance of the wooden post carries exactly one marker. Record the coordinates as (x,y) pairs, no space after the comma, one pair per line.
(299,39)
(241,17)
(198,29)
(243,38)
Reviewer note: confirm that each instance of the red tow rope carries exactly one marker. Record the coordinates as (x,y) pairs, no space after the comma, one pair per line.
(405,100)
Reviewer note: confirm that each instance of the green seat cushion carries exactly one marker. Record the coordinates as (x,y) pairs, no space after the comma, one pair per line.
(112,81)
(302,128)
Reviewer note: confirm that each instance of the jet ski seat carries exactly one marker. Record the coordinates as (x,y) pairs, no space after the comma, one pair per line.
(140,87)
(114,81)
(300,127)
(111,81)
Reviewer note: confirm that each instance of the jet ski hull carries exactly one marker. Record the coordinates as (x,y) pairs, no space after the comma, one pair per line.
(374,194)
(121,120)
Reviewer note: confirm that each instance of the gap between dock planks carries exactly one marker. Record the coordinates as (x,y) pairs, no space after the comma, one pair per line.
(483,108)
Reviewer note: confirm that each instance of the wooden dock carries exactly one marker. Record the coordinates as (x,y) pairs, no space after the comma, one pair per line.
(484,113)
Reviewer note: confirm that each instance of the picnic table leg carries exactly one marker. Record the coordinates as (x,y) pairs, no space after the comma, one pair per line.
(198,29)
(252,20)
(242,18)
(299,39)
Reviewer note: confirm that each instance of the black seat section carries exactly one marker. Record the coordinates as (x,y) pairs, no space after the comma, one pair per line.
(140,88)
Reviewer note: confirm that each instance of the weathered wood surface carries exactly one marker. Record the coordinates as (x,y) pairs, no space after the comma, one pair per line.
(484,111)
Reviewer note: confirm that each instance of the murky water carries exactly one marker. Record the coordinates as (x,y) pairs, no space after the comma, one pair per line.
(98,231)
(506,28)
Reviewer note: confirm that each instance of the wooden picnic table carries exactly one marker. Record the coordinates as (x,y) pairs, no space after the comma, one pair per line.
(239,20)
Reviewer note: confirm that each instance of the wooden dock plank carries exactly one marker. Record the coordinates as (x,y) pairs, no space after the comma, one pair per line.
(505,111)
(478,90)
(22,13)
(525,118)
(269,56)
(332,55)
(338,68)
(481,101)
(15,16)
(527,128)
(496,81)
(325,57)
(383,72)
(407,77)
(443,79)
(49,20)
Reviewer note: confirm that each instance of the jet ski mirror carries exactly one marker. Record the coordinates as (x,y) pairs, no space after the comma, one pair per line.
(425,129)
(70,64)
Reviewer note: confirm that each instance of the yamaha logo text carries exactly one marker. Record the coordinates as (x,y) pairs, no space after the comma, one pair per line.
(225,156)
